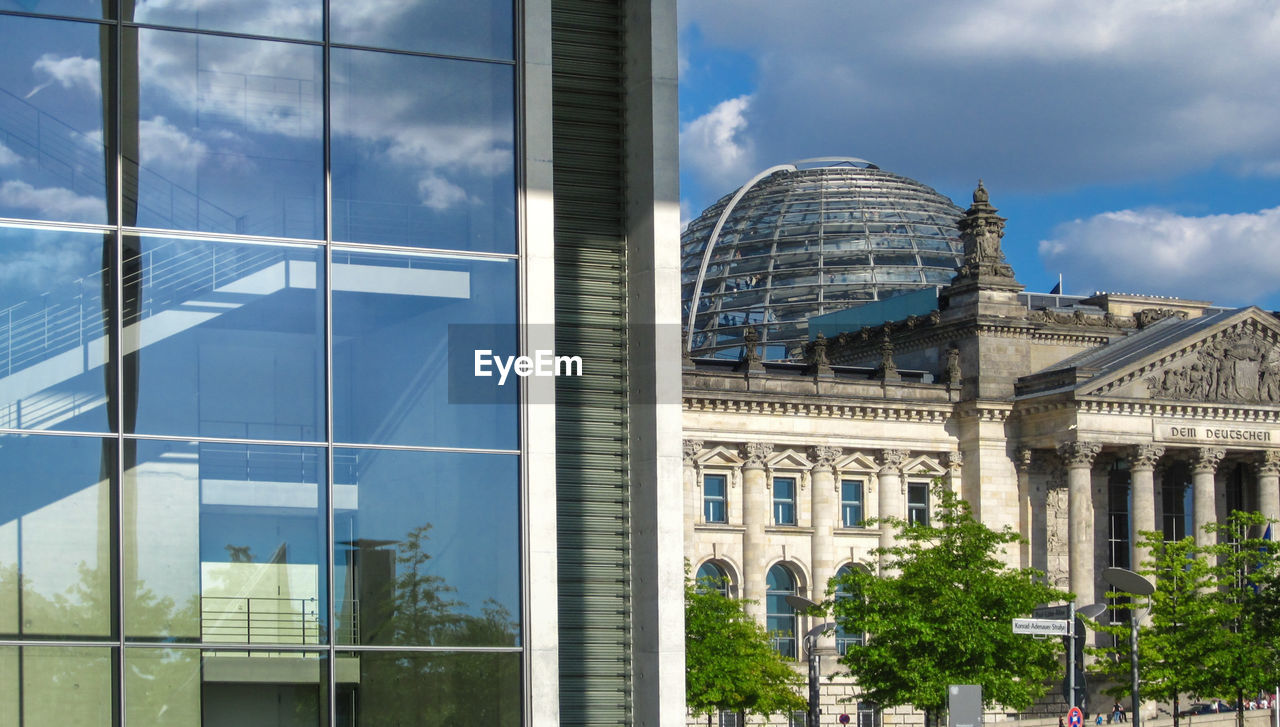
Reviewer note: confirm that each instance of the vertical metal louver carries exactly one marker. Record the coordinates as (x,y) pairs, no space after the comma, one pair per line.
(591,426)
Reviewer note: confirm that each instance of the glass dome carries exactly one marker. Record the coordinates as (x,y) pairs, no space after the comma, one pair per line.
(809,238)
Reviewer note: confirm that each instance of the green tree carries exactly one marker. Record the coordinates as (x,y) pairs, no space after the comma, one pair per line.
(1175,637)
(942,616)
(730,663)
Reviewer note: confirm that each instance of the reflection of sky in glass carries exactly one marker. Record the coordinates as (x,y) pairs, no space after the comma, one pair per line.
(391,316)
(280,18)
(51,152)
(423,152)
(466,506)
(53,341)
(230,341)
(71,8)
(229,135)
(476,29)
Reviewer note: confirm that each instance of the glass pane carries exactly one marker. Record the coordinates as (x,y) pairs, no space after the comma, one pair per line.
(55,515)
(479,28)
(54,686)
(391,325)
(234,332)
(52,156)
(443,572)
(423,151)
(225,543)
(713,485)
(448,689)
(280,18)
(54,338)
(186,687)
(229,135)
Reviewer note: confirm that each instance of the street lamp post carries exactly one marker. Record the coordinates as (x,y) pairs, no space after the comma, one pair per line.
(804,605)
(1126,581)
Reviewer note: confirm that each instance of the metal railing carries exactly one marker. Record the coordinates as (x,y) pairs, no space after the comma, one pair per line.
(254,620)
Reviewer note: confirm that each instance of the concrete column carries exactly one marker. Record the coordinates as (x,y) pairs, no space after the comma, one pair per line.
(893,500)
(755,516)
(692,495)
(1203,467)
(1142,484)
(825,514)
(1077,457)
(1269,485)
(1022,461)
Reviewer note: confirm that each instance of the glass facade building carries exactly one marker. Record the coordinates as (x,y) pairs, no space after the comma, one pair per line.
(237,485)
(805,239)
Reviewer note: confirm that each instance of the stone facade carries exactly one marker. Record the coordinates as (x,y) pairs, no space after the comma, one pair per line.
(1064,424)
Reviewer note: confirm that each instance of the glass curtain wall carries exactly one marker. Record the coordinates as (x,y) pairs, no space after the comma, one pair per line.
(235,486)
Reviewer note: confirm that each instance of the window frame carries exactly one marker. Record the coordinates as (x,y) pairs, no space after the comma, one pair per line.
(709,500)
(860,503)
(924,507)
(790,502)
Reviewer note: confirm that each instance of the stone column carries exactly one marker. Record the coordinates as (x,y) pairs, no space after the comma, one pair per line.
(955,461)
(1269,486)
(824,487)
(1077,457)
(1142,483)
(892,495)
(692,495)
(1022,461)
(755,516)
(1204,466)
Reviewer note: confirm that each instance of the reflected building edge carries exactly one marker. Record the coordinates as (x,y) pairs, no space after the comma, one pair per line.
(236,486)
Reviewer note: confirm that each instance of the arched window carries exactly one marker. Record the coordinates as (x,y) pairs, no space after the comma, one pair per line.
(781,621)
(712,577)
(845,639)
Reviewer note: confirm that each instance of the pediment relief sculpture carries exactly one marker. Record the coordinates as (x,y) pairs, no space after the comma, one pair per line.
(1235,368)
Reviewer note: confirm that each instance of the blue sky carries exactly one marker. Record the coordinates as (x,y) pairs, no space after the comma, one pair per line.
(1134,146)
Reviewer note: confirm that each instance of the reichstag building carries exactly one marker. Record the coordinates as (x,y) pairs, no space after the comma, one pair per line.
(1077,421)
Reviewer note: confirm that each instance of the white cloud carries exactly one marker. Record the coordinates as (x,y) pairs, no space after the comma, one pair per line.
(52,202)
(7,156)
(1229,258)
(1039,95)
(165,147)
(70,73)
(42,268)
(440,194)
(716,147)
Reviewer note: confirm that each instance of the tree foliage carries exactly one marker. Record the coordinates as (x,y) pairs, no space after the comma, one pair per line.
(730,662)
(942,616)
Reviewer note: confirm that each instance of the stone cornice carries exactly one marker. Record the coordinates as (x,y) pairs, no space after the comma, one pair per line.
(1182,410)
(985,411)
(916,333)
(871,411)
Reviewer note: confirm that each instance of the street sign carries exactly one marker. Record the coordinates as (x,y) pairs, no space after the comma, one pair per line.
(1042,626)
(1075,718)
(844,719)
(1053,612)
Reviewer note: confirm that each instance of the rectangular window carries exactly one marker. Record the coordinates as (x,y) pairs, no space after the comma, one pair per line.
(784,501)
(918,503)
(851,503)
(713,499)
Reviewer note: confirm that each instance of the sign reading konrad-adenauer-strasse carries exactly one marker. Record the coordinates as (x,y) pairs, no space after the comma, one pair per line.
(1041,626)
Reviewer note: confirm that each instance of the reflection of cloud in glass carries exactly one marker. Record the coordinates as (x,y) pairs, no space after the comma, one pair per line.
(168,147)
(283,18)
(70,73)
(7,157)
(51,202)
(439,193)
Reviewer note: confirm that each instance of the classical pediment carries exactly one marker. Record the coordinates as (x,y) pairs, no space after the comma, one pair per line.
(857,462)
(720,456)
(789,459)
(924,465)
(1227,358)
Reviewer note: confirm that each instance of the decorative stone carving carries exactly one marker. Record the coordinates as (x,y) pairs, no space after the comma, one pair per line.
(1080,318)
(1269,462)
(1147,316)
(1078,454)
(954,460)
(755,454)
(691,449)
(1206,459)
(1235,367)
(1022,459)
(686,356)
(816,356)
(953,367)
(888,369)
(981,230)
(1145,456)
(891,460)
(750,361)
(824,457)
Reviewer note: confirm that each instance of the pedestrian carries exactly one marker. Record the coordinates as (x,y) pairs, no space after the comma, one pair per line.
(1117,713)
(1061,723)
(1099,719)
